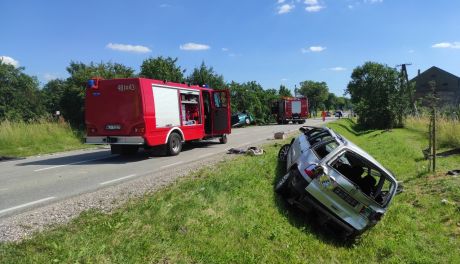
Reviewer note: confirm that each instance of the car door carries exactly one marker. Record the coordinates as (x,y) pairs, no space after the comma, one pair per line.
(220,112)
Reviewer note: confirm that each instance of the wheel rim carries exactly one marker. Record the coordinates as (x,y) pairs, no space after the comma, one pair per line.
(175,144)
(283,153)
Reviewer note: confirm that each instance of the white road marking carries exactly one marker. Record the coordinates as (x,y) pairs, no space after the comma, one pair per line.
(170,165)
(27,204)
(119,179)
(73,163)
(206,155)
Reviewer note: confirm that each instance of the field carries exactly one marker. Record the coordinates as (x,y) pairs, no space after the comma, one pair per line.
(229,213)
(19,139)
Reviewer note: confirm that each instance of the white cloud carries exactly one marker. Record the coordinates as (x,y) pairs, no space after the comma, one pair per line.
(447,45)
(224,49)
(194,46)
(316,48)
(314,8)
(281,1)
(373,1)
(286,8)
(350,7)
(128,48)
(49,76)
(165,5)
(9,60)
(311,2)
(338,68)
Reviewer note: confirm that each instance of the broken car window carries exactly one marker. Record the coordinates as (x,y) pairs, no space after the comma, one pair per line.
(371,181)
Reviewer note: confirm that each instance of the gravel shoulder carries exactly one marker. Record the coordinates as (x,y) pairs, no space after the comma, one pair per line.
(22,226)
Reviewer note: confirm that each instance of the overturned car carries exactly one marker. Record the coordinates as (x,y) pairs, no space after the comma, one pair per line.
(338,180)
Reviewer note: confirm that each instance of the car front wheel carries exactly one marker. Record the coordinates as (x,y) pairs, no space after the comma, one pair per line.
(282,184)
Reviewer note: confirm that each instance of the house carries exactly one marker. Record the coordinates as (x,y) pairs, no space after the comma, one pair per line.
(447,86)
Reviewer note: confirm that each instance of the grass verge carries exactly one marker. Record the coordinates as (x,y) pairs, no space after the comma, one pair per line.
(448,130)
(229,213)
(19,139)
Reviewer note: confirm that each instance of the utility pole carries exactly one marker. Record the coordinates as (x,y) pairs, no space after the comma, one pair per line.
(433,101)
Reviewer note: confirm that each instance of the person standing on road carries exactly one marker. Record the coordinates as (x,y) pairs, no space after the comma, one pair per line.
(323,114)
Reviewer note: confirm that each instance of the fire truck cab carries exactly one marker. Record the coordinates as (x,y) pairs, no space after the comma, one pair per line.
(138,112)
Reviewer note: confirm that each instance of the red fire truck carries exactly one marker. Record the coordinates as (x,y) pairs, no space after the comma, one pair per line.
(137,112)
(293,109)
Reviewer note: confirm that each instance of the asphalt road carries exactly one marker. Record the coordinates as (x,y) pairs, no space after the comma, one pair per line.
(37,181)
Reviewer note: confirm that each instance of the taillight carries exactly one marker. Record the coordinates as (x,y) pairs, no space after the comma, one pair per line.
(314,170)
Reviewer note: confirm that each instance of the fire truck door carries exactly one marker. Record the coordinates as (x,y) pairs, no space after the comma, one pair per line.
(220,104)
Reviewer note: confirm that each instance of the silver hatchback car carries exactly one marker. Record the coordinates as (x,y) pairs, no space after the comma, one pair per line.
(328,173)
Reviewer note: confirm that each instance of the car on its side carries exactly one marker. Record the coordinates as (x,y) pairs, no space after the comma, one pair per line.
(243,118)
(327,173)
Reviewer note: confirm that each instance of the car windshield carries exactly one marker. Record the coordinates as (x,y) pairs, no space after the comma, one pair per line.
(372,181)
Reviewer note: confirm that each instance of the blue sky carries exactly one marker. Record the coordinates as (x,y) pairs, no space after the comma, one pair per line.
(272,42)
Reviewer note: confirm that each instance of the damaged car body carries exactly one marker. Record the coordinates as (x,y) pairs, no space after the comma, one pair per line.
(334,177)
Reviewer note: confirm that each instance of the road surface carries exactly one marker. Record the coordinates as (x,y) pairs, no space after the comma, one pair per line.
(37,181)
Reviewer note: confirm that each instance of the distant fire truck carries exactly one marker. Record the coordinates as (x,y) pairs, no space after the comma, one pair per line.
(137,112)
(288,109)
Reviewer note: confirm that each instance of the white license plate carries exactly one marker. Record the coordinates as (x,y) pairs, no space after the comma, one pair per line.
(113,127)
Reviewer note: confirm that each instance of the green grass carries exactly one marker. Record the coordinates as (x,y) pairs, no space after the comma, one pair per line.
(229,213)
(448,130)
(19,139)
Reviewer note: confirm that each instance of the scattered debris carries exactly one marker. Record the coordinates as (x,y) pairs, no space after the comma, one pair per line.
(454,173)
(445,201)
(280,135)
(252,151)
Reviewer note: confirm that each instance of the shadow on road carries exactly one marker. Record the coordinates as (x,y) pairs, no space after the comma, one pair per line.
(104,156)
(308,222)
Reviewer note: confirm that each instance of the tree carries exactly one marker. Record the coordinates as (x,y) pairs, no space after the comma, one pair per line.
(252,97)
(52,94)
(379,96)
(162,69)
(331,101)
(317,93)
(19,94)
(284,92)
(206,76)
(73,98)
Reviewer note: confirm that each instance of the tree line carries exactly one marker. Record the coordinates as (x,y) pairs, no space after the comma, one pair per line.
(22,98)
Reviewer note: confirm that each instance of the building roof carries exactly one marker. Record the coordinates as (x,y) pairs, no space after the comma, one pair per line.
(434,70)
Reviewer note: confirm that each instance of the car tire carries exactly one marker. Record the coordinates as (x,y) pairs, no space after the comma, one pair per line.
(174,145)
(223,139)
(247,121)
(283,152)
(302,121)
(281,186)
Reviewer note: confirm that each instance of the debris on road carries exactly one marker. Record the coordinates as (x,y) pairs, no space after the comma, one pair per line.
(280,135)
(252,151)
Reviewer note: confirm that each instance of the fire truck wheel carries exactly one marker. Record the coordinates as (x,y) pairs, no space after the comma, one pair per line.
(223,139)
(174,145)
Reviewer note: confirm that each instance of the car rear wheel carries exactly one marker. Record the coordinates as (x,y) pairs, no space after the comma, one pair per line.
(174,145)
(247,121)
(282,184)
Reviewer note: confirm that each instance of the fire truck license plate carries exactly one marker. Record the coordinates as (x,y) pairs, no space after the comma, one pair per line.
(112,127)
